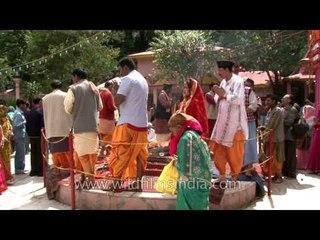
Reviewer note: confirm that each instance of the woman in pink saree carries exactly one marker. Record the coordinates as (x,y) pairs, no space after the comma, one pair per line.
(303,145)
(314,157)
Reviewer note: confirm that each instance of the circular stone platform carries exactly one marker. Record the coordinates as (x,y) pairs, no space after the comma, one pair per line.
(149,199)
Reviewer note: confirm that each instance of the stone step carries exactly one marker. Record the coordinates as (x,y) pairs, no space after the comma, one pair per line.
(153,172)
(159,159)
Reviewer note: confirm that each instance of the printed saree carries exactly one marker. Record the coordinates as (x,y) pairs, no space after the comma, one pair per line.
(194,163)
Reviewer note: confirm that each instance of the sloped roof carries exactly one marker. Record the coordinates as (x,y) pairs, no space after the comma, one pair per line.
(300,76)
(142,54)
(162,81)
(148,54)
(8,91)
(259,77)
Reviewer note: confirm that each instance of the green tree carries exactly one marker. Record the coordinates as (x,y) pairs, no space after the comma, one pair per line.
(13,44)
(31,89)
(183,54)
(132,41)
(93,54)
(278,51)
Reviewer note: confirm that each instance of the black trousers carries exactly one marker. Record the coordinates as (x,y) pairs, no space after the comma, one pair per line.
(290,164)
(36,159)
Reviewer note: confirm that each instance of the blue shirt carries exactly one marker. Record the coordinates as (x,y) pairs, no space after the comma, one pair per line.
(19,124)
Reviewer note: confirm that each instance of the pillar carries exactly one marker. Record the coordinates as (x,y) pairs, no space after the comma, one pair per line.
(17,81)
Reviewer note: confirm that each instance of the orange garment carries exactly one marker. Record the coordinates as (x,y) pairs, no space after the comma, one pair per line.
(88,162)
(77,163)
(232,155)
(105,139)
(276,164)
(123,157)
(61,159)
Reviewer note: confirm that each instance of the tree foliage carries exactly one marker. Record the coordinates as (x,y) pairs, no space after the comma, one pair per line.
(32,89)
(179,54)
(98,56)
(183,54)
(265,50)
(12,49)
(277,51)
(93,55)
(132,41)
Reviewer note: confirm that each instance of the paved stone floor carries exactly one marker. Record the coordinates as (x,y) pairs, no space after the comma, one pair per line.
(302,193)
(28,193)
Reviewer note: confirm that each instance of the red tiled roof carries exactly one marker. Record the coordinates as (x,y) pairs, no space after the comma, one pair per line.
(259,77)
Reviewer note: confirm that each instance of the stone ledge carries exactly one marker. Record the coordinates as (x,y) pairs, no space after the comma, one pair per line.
(102,200)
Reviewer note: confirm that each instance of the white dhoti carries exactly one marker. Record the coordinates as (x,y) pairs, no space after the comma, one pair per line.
(86,143)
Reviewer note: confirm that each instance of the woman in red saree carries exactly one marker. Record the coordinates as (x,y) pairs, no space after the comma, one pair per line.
(193,104)
(3,182)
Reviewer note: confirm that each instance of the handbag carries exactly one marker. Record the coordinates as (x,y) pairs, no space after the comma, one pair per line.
(168,179)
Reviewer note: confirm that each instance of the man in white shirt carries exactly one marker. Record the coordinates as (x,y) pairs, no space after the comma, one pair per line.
(231,128)
(129,152)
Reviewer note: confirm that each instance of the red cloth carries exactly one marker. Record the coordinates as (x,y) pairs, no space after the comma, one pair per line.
(139,129)
(210,99)
(195,105)
(174,140)
(107,112)
(3,182)
(211,123)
